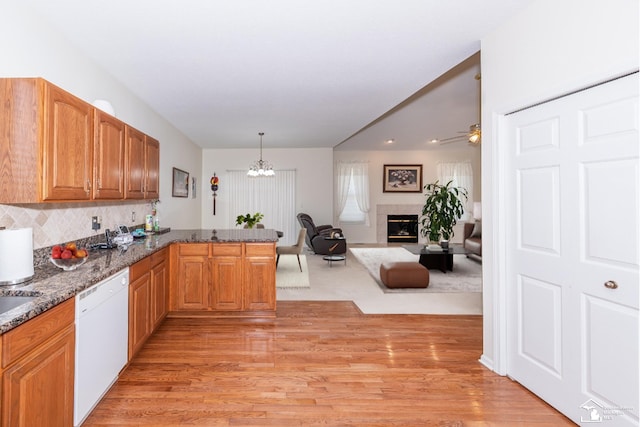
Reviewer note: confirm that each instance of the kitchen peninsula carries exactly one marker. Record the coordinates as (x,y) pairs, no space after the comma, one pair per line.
(180,273)
(250,251)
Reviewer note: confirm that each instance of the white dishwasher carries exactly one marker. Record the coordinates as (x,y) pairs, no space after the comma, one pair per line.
(102,322)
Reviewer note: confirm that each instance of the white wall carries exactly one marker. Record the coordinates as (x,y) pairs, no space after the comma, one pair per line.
(551,48)
(314,170)
(427,158)
(30,48)
(314,176)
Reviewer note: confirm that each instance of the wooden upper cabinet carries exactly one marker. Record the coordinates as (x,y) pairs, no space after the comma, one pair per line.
(134,157)
(152,168)
(21,125)
(67,149)
(108,158)
(57,147)
(142,159)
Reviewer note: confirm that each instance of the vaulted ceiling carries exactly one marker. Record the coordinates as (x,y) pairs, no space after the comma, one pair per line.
(307,74)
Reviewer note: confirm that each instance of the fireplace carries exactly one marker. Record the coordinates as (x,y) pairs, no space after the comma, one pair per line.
(402,228)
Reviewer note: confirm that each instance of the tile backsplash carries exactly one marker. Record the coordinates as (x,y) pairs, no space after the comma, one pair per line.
(55,223)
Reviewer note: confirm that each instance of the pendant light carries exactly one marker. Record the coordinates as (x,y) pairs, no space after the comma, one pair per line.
(261,168)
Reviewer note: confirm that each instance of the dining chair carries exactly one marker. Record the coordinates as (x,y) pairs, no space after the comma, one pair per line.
(292,250)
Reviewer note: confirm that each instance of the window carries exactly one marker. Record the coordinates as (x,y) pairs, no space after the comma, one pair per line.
(352,193)
(351,212)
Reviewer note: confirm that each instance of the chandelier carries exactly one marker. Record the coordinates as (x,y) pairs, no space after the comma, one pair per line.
(260,168)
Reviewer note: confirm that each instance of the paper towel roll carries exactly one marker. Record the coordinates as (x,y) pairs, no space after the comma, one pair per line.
(16,256)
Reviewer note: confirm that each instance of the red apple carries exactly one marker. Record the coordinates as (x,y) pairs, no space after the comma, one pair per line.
(56,252)
(66,254)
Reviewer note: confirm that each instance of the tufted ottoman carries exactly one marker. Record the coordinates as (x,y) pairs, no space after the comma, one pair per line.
(404,275)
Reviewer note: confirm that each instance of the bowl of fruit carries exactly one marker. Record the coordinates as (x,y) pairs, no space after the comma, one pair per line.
(68,257)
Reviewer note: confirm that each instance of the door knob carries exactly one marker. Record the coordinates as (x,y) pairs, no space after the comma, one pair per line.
(610,284)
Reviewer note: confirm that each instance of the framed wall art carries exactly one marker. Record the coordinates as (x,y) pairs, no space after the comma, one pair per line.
(180,187)
(402,179)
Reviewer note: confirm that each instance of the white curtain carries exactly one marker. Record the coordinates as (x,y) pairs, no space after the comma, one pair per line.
(462,176)
(446,172)
(360,179)
(352,176)
(274,197)
(343,178)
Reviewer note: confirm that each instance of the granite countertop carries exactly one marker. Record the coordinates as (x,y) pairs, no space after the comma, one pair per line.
(52,285)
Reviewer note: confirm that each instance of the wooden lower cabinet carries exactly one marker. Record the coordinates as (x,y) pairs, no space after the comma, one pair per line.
(38,370)
(223,278)
(148,293)
(192,271)
(139,310)
(159,287)
(260,277)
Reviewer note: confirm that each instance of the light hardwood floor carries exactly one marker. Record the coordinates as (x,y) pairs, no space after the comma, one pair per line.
(318,364)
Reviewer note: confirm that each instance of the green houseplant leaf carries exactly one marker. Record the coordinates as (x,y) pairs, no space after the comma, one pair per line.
(250,220)
(443,207)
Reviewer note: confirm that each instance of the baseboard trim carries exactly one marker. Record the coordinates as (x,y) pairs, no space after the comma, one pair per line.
(487,362)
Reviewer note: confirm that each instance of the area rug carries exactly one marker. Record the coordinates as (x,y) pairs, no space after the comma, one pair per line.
(288,273)
(465,277)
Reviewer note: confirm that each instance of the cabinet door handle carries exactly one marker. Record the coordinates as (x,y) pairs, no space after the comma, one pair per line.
(88,188)
(610,284)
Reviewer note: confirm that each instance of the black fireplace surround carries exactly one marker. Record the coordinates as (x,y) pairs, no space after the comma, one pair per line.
(402,228)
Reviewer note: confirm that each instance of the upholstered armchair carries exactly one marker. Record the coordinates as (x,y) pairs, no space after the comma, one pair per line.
(472,239)
(319,237)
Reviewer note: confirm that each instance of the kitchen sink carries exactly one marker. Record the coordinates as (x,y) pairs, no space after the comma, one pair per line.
(8,303)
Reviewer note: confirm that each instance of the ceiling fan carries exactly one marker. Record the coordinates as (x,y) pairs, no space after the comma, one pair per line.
(473,136)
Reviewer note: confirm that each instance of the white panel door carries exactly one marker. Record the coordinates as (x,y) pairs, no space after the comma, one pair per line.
(573,257)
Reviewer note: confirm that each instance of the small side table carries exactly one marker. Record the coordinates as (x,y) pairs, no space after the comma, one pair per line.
(331,257)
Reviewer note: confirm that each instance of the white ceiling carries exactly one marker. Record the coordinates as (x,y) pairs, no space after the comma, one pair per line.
(307,74)
(444,109)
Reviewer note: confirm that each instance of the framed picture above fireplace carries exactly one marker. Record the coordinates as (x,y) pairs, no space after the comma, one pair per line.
(402,179)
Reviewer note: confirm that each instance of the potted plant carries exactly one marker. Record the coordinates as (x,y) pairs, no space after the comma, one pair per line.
(442,209)
(250,220)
